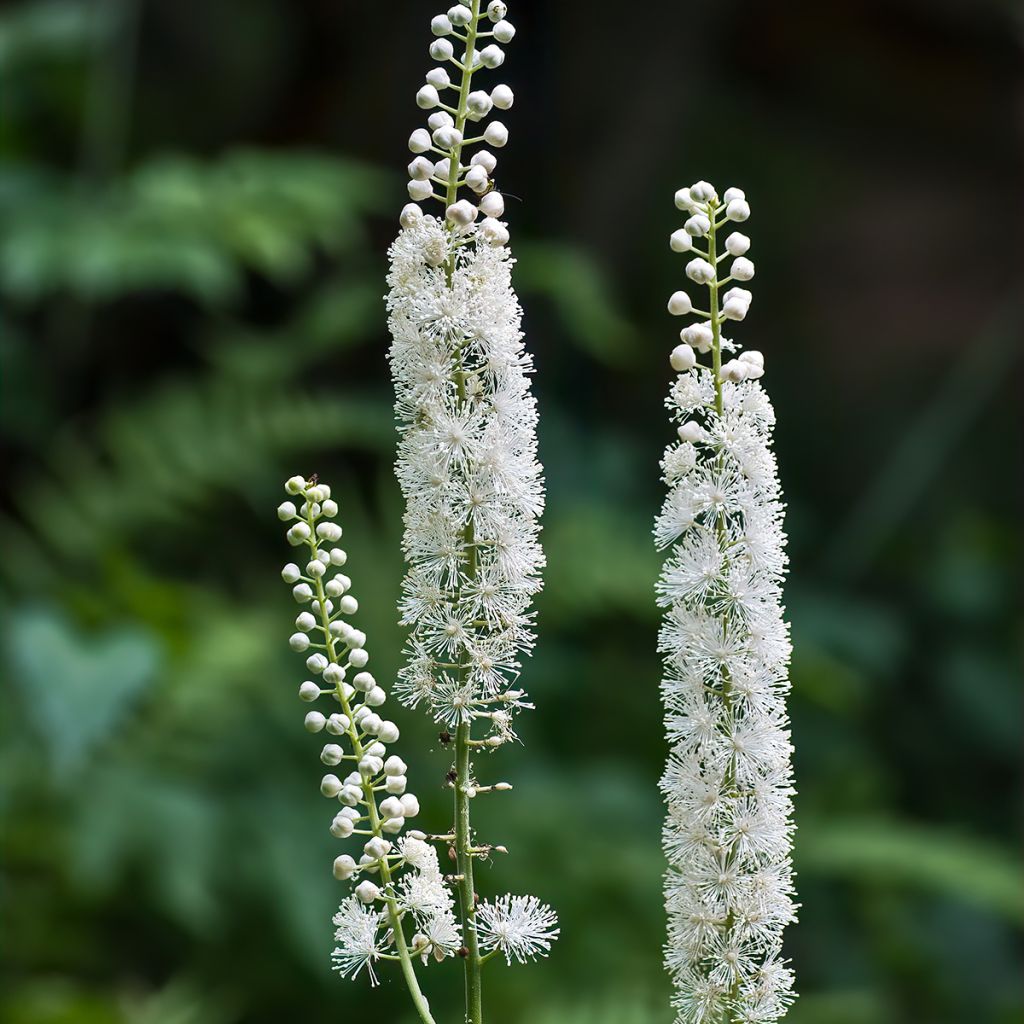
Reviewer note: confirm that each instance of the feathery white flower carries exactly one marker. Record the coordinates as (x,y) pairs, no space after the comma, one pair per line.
(521,927)
(359,938)
(728,782)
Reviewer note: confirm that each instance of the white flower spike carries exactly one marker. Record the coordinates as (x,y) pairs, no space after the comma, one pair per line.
(467,466)
(725,643)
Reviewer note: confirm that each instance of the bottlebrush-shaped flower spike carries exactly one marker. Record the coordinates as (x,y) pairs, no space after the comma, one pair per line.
(467,456)
(728,782)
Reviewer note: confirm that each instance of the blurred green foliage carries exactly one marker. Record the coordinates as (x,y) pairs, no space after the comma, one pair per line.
(180,333)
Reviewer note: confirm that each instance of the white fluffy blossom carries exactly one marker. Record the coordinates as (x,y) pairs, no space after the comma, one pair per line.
(520,927)
(725,643)
(467,466)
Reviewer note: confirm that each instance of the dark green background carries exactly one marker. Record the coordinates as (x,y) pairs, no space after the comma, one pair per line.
(195,203)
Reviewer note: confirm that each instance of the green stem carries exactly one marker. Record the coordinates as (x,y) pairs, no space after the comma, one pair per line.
(419,1000)
(463,733)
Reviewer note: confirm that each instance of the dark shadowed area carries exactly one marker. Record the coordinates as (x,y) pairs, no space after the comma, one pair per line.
(195,205)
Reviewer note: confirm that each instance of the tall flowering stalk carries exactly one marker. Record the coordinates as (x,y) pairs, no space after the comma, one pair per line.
(400,906)
(728,781)
(467,461)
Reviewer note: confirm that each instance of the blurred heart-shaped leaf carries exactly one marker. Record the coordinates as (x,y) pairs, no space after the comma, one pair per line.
(76,688)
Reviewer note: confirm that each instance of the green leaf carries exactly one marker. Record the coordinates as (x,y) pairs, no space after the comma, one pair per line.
(76,688)
(876,851)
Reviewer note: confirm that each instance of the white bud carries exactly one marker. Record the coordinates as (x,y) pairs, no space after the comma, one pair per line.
(334,674)
(477,178)
(344,867)
(302,592)
(680,241)
(341,828)
(698,336)
(370,723)
(395,784)
(394,765)
(309,691)
(364,681)
(377,848)
(420,190)
(366,891)
(316,568)
(697,226)
(420,169)
(393,826)
(330,785)
(298,534)
(502,97)
(410,216)
(442,50)
(357,638)
(734,370)
(446,137)
(700,271)
(350,794)
(388,732)
(316,663)
(438,78)
(462,213)
(376,697)
(298,642)
(391,807)
(736,304)
(348,605)
(419,141)
(679,304)
(479,103)
(754,362)
(286,511)
(492,204)
(738,210)
(496,134)
(496,10)
(332,754)
(441,25)
(295,485)
(440,119)
(338,724)
(329,508)
(691,431)
(684,201)
(702,192)
(410,806)
(314,722)
(683,358)
(492,56)
(504,31)
(742,269)
(371,765)
(460,14)
(329,531)
(733,193)
(493,232)
(291,573)
(485,159)
(338,556)
(737,244)
(427,98)
(305,622)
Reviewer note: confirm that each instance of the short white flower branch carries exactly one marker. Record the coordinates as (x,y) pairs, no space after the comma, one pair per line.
(343,648)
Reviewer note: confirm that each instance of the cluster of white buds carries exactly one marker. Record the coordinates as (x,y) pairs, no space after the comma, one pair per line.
(374,796)
(441,168)
(728,782)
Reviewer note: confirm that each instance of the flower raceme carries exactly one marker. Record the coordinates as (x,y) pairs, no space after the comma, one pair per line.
(467,462)
(398,886)
(728,782)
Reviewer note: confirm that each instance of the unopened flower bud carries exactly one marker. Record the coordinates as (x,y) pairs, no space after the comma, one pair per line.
(679,304)
(683,358)
(366,891)
(502,97)
(344,867)
(680,241)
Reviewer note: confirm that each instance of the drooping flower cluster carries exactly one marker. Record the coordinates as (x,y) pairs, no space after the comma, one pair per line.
(393,884)
(728,782)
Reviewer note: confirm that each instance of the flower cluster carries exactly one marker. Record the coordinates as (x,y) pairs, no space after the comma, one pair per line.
(467,461)
(390,883)
(438,149)
(728,782)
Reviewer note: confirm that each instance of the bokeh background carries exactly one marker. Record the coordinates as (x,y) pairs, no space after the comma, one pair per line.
(195,204)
